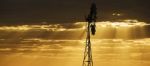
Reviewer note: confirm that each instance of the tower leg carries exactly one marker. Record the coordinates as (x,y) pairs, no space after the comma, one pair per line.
(88,61)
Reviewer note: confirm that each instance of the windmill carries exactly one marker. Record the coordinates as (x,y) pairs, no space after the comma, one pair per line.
(90,19)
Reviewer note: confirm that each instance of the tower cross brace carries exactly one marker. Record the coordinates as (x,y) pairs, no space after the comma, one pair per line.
(87,60)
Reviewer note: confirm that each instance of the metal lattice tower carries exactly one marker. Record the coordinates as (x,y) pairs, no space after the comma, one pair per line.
(91,19)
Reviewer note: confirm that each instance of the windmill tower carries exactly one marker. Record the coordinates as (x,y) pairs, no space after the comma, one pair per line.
(91,19)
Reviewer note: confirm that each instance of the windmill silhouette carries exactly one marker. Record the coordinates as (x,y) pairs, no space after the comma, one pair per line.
(91,29)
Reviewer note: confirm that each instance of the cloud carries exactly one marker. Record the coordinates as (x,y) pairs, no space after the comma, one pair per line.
(62,41)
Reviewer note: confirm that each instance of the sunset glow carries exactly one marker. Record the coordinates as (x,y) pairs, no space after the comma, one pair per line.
(126,42)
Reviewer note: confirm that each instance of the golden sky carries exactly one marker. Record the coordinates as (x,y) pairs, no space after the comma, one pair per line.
(124,43)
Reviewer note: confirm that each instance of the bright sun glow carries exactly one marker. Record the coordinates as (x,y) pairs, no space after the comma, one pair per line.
(125,43)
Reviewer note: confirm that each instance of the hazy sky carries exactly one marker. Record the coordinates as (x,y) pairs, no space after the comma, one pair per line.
(37,11)
(115,44)
(62,41)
